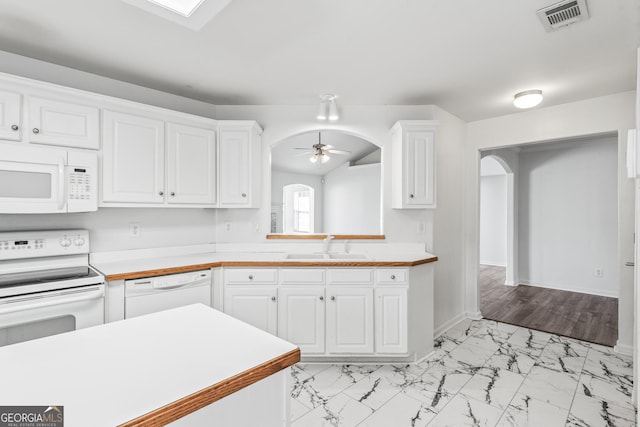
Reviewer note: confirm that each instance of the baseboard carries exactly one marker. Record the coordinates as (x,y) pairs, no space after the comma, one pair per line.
(473,315)
(448,325)
(623,348)
(510,283)
(560,288)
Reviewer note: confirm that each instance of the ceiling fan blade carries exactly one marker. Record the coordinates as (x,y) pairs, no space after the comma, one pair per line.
(301,148)
(338,152)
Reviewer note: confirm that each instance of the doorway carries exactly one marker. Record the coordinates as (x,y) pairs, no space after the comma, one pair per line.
(551,230)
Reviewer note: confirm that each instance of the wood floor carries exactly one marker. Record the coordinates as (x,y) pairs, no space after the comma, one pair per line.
(582,316)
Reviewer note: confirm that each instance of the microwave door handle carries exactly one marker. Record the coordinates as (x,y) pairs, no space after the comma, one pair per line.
(62,197)
(19,305)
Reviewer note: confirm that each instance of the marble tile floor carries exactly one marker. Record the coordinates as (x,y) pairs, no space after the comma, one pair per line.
(483,373)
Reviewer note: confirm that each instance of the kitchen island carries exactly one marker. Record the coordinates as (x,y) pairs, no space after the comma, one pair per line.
(189,366)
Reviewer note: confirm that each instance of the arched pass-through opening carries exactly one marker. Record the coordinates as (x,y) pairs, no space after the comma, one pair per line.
(498,237)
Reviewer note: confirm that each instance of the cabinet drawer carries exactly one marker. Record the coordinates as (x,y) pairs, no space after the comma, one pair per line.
(388,276)
(348,276)
(297,276)
(251,276)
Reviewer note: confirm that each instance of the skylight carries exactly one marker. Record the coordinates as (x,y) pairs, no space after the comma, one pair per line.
(182,7)
(193,14)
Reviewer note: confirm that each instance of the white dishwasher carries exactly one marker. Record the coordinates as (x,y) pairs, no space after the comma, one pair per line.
(151,294)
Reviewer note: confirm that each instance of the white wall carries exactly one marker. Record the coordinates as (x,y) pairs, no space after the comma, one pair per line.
(607,114)
(493,220)
(109,227)
(279,179)
(356,191)
(568,224)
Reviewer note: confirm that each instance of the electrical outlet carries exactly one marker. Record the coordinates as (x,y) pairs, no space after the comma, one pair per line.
(227,226)
(134,229)
(256,227)
(598,272)
(421,227)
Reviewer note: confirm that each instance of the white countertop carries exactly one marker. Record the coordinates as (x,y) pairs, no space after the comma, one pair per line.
(128,262)
(113,373)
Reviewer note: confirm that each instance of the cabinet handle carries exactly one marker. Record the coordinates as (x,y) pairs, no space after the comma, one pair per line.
(393,277)
(411,196)
(173,193)
(36,130)
(15,127)
(333,298)
(161,193)
(244,194)
(251,277)
(273,298)
(321,298)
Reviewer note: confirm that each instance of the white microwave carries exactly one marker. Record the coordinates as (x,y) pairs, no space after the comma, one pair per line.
(47,180)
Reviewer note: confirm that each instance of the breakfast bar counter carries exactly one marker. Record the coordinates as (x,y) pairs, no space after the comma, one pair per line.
(182,366)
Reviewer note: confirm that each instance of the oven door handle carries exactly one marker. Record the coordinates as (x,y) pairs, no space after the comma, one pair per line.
(21,304)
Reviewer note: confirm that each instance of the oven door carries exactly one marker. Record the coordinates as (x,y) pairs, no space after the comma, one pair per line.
(38,315)
(32,181)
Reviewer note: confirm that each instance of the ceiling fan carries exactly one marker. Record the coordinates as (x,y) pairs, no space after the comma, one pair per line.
(321,151)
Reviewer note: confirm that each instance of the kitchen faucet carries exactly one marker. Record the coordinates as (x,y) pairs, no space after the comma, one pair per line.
(327,242)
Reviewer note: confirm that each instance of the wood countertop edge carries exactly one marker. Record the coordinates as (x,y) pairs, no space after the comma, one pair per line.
(283,263)
(215,392)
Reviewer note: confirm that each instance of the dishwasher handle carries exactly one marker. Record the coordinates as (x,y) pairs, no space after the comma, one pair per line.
(20,304)
(164,285)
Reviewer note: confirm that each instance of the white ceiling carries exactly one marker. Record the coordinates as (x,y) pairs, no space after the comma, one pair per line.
(467,56)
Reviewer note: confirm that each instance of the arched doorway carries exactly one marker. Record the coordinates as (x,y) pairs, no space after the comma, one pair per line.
(498,237)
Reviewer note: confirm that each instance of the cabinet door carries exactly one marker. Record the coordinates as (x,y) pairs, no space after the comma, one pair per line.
(391,320)
(349,320)
(191,165)
(255,306)
(63,123)
(132,159)
(10,123)
(234,167)
(301,317)
(419,169)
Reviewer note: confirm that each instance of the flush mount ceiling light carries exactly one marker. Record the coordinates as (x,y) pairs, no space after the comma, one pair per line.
(528,98)
(328,108)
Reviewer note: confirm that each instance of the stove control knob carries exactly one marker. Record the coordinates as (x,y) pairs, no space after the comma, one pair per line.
(65,242)
(79,241)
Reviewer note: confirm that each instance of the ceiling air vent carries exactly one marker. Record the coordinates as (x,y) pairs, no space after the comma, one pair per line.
(563,14)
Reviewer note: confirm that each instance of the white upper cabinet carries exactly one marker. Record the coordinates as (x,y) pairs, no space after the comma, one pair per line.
(191,165)
(413,164)
(10,115)
(144,165)
(240,158)
(132,159)
(63,123)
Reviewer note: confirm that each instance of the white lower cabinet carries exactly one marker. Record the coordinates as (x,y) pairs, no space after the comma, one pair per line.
(391,317)
(350,320)
(334,312)
(256,306)
(301,317)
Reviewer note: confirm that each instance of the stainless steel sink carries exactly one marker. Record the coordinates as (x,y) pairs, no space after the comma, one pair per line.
(348,256)
(303,256)
(307,256)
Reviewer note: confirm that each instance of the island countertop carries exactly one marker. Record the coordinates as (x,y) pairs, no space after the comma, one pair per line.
(149,370)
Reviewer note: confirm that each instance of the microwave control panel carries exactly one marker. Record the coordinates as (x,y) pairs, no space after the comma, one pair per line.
(79,184)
